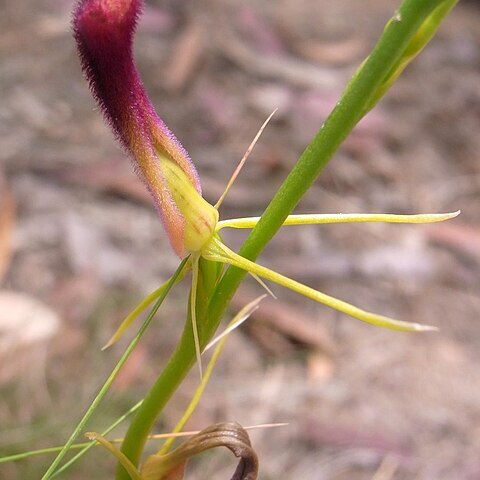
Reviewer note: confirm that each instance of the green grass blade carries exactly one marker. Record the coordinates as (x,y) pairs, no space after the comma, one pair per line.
(81,424)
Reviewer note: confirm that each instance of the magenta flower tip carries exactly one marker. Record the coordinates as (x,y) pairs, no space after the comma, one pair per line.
(104,30)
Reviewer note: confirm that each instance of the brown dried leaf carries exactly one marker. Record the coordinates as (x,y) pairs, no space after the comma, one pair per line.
(230,435)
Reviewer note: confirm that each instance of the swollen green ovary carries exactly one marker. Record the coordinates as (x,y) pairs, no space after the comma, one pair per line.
(200,217)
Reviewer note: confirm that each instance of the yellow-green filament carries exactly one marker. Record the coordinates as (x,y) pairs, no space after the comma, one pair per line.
(239,318)
(193,311)
(243,160)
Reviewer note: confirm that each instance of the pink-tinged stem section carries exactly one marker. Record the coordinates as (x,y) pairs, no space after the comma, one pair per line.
(104,31)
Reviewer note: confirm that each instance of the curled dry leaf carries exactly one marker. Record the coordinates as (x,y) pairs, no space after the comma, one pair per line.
(230,435)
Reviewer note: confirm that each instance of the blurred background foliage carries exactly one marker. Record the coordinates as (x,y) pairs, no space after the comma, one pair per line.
(75,223)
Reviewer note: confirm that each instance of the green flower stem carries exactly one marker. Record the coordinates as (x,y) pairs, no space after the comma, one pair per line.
(355,101)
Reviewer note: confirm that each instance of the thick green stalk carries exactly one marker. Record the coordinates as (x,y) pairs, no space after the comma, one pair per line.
(354,102)
(172,375)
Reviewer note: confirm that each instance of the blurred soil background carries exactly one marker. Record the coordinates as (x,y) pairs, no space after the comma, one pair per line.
(80,243)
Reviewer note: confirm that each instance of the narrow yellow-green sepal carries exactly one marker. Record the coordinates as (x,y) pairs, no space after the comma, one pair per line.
(318,219)
(148,300)
(220,253)
(133,315)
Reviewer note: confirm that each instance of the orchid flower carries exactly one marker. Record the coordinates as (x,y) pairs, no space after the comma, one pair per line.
(104,31)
